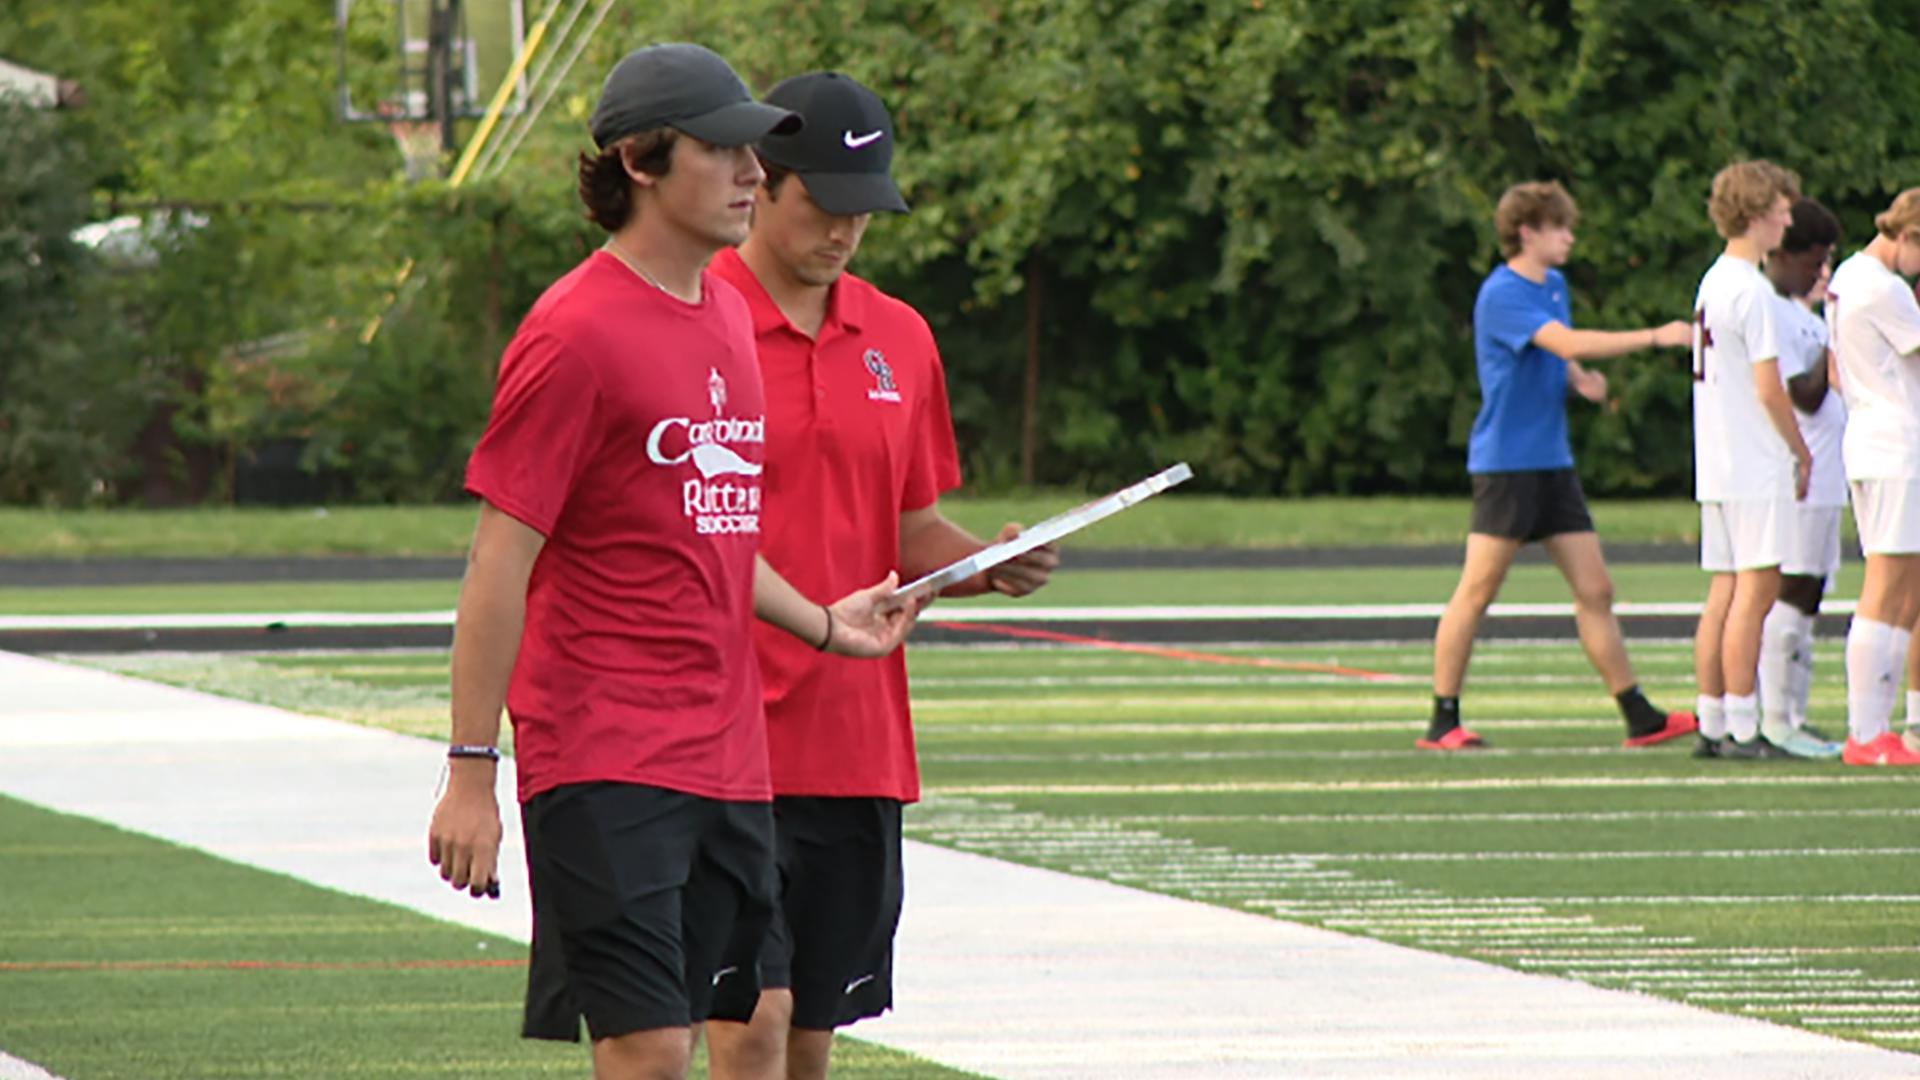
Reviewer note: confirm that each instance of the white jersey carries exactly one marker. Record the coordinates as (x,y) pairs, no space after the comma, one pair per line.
(1876,329)
(1737,454)
(1803,347)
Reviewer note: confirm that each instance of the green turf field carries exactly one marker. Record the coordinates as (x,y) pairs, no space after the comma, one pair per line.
(125,958)
(1259,781)
(1071,588)
(1174,520)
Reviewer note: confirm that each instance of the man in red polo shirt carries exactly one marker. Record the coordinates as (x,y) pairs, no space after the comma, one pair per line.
(860,448)
(612,585)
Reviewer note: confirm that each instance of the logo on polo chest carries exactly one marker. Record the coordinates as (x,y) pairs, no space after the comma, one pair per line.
(714,501)
(884,388)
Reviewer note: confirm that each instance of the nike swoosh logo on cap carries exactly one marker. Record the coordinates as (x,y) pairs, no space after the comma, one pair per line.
(855,142)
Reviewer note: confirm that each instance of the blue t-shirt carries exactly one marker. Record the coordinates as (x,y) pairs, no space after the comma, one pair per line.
(1523,388)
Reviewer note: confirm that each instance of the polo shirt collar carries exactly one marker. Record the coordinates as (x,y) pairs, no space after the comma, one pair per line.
(846,305)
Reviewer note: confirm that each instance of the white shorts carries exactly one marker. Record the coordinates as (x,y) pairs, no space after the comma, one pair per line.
(1887,513)
(1744,534)
(1813,543)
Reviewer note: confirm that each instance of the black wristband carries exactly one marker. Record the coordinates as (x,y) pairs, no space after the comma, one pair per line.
(458,750)
(828,640)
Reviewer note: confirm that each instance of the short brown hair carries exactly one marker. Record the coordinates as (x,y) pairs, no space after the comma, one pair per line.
(1902,218)
(1535,204)
(1746,191)
(605,187)
(776,175)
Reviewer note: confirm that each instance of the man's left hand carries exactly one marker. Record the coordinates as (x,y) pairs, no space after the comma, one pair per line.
(1025,573)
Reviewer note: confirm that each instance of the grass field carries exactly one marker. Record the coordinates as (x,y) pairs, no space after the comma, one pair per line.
(1170,521)
(125,958)
(1782,891)
(1071,588)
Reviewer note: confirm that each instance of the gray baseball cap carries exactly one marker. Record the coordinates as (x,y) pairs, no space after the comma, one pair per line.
(688,88)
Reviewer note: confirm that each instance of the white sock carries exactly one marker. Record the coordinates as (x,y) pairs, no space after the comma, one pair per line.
(1800,674)
(1871,680)
(1913,710)
(1743,717)
(1712,714)
(1779,640)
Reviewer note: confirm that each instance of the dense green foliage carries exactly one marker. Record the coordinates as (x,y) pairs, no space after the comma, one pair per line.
(1256,228)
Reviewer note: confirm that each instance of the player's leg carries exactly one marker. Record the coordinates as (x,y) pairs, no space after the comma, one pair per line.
(1716,558)
(747,1036)
(1754,592)
(1581,562)
(659,1054)
(757,1049)
(630,932)
(1786,665)
(1487,561)
(1504,509)
(841,899)
(1879,637)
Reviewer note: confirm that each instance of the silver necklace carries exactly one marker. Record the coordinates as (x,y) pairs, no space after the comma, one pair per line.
(628,262)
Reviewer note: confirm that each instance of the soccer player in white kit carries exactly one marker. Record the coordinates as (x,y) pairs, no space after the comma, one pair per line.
(1750,463)
(1799,274)
(1875,323)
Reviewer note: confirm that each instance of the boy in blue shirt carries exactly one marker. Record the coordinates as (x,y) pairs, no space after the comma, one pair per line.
(1521,462)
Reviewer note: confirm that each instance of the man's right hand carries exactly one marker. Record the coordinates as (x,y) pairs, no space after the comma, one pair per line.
(464,837)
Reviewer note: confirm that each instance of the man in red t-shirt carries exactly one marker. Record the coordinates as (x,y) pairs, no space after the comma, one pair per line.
(860,447)
(612,586)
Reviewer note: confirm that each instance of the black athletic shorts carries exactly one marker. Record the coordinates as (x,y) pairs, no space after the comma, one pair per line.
(1529,506)
(644,900)
(840,890)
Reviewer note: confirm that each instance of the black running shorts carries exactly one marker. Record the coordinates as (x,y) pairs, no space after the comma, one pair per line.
(840,890)
(644,900)
(1529,506)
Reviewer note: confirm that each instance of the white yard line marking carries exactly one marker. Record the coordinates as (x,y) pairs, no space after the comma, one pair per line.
(952,613)
(1305,787)
(1520,818)
(1606,856)
(13,1068)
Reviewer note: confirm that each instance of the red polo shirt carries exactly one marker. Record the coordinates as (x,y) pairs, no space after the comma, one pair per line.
(628,429)
(858,432)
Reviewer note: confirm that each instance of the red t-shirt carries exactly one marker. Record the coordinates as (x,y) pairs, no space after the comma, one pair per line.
(628,428)
(858,431)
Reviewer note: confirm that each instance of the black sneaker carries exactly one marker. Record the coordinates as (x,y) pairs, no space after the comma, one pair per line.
(1759,749)
(1708,747)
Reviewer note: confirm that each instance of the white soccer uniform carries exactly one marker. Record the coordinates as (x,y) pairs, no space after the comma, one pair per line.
(1875,324)
(1743,469)
(1813,544)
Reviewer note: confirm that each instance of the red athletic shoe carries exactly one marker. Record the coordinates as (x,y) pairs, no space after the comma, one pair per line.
(1457,739)
(1678,724)
(1888,749)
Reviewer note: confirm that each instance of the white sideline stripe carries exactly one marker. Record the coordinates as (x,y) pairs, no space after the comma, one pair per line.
(1005,970)
(1307,787)
(1520,818)
(1021,614)
(1603,856)
(13,1068)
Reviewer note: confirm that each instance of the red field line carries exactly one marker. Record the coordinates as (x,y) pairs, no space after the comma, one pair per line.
(248,965)
(1170,654)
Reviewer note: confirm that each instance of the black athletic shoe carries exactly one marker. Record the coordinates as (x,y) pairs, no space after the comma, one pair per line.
(1757,750)
(1708,747)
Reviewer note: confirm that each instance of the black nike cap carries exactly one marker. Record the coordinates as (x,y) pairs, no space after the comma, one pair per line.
(685,87)
(843,152)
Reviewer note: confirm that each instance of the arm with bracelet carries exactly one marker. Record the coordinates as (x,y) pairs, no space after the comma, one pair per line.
(464,837)
(866,622)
